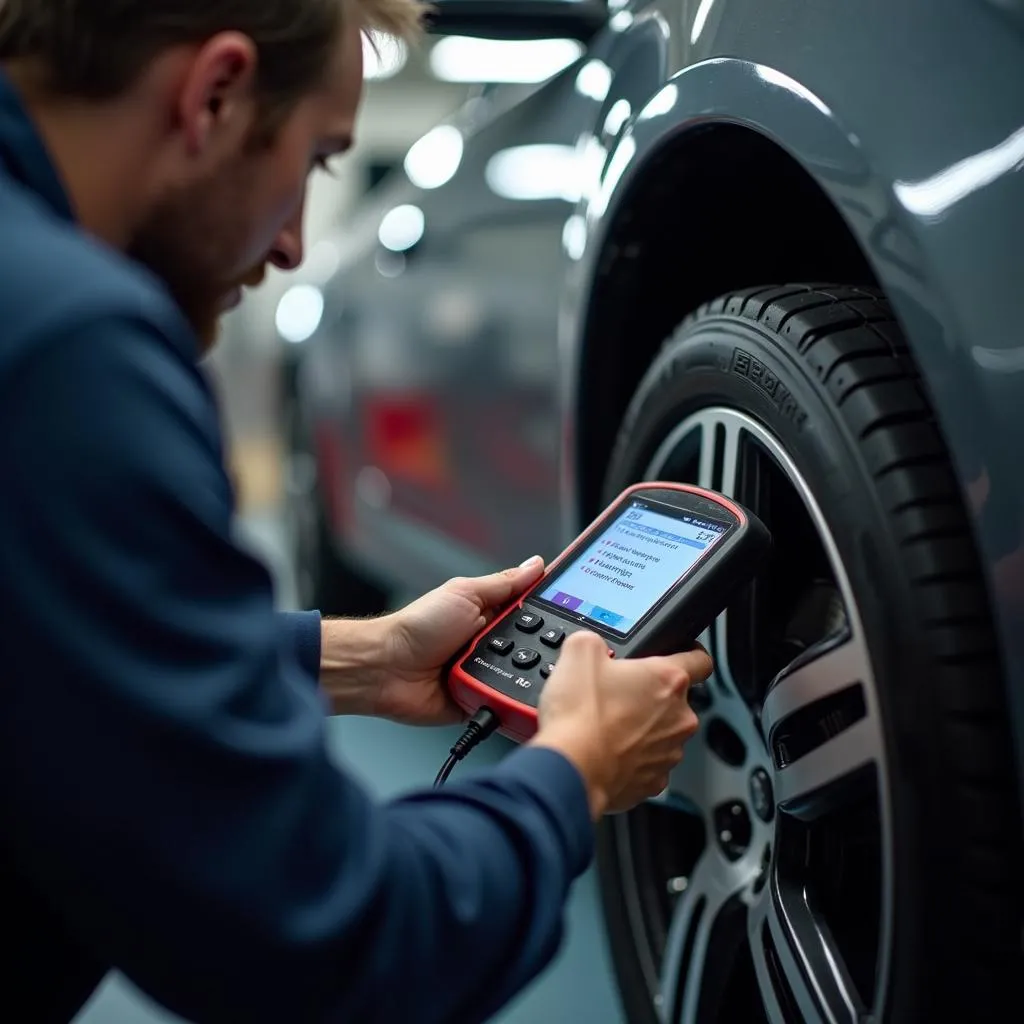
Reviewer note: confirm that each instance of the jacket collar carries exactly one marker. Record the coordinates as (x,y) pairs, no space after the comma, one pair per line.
(24,155)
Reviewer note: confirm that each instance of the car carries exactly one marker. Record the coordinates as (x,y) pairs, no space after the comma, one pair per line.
(775,248)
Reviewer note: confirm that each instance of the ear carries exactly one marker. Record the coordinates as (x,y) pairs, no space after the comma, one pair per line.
(216,99)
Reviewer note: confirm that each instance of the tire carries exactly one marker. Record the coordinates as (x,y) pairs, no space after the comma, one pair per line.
(905,869)
(325,579)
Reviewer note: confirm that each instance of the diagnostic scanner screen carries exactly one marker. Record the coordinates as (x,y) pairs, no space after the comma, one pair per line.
(632,564)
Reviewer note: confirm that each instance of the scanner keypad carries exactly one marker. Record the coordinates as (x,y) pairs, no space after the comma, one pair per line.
(518,665)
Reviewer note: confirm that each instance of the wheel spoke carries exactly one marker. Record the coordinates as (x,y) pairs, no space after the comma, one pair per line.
(689,780)
(718,469)
(818,727)
(715,641)
(822,672)
(686,968)
(800,974)
(811,785)
(720,652)
(702,780)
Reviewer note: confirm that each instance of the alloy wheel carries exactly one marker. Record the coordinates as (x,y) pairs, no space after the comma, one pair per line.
(760,880)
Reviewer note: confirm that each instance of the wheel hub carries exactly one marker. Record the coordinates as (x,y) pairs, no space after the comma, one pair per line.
(727,774)
(733,829)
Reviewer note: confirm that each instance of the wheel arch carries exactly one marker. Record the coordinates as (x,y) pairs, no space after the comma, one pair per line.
(661,259)
(763,150)
(753,147)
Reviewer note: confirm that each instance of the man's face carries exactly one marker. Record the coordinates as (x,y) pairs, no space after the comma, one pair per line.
(211,236)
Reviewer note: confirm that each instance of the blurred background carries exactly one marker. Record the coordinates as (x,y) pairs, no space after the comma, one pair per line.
(407,95)
(403,100)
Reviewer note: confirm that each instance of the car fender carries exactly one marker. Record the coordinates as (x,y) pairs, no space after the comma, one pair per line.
(963,328)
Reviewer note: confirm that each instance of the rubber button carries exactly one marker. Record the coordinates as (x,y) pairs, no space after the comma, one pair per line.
(525,658)
(500,644)
(546,669)
(529,622)
(552,637)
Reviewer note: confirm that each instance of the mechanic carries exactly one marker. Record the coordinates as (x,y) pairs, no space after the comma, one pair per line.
(169,805)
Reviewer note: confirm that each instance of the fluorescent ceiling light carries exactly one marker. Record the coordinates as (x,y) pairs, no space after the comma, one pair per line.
(524,61)
(401,228)
(574,237)
(433,160)
(617,117)
(383,56)
(591,156)
(299,313)
(594,80)
(535,172)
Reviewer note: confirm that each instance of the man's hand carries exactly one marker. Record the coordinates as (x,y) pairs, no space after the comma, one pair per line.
(427,634)
(392,667)
(624,724)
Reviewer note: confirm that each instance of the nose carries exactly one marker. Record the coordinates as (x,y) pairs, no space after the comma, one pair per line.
(287,251)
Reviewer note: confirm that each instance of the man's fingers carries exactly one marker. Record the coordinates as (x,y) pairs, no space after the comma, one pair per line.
(690,667)
(586,645)
(698,663)
(497,588)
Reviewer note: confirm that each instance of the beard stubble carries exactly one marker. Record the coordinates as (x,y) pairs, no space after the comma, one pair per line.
(193,240)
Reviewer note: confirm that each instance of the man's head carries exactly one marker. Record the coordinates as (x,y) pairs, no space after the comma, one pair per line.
(186,129)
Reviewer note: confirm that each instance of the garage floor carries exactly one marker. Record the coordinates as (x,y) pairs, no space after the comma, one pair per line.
(392,759)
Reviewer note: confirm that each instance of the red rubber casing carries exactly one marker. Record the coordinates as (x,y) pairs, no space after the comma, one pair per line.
(734,564)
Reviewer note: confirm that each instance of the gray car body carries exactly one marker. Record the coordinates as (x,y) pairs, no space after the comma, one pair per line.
(908,115)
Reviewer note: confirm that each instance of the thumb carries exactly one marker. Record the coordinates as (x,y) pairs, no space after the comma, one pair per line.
(499,587)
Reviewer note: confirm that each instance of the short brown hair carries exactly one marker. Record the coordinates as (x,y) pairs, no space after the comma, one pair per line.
(95,49)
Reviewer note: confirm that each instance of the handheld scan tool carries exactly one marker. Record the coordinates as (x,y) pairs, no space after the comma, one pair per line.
(650,574)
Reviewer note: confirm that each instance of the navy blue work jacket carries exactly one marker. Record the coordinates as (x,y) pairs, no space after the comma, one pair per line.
(168,805)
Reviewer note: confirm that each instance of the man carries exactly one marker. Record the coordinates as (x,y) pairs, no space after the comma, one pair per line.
(168,804)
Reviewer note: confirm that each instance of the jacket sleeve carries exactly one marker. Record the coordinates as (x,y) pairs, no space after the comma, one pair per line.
(165,776)
(301,632)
